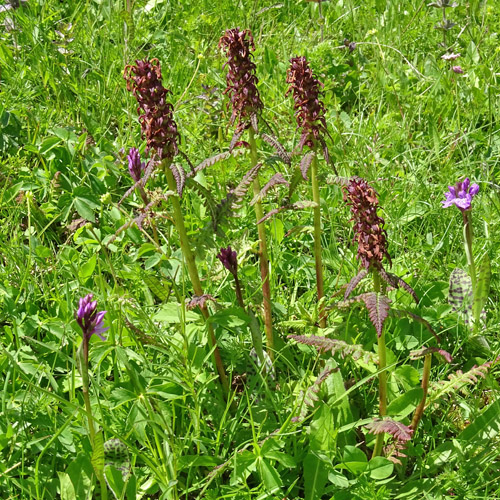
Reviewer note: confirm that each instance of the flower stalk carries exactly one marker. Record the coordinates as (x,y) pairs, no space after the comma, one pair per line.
(317,242)
(425,387)
(246,105)
(310,116)
(160,130)
(91,322)
(263,255)
(193,274)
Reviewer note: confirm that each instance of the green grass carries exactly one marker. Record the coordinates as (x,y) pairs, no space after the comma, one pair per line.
(398,116)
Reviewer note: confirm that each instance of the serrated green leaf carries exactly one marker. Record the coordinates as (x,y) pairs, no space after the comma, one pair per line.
(98,454)
(157,287)
(269,476)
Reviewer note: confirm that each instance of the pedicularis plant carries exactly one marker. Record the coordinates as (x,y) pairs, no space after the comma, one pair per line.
(310,115)
(160,131)
(246,105)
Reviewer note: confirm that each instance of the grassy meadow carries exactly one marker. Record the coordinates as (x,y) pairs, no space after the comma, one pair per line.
(291,312)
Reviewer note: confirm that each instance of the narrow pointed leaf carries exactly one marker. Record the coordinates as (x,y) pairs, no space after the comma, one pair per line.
(482,288)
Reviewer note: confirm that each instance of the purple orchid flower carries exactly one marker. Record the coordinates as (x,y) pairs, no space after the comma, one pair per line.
(90,321)
(135,166)
(461,195)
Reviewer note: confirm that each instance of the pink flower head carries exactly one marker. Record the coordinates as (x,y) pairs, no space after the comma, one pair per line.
(457,69)
(227,256)
(461,195)
(450,57)
(89,319)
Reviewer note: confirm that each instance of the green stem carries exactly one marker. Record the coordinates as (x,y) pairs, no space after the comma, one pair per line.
(382,376)
(317,241)
(468,236)
(263,256)
(145,200)
(425,387)
(193,273)
(82,356)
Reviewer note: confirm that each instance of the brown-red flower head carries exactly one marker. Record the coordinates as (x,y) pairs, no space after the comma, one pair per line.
(241,80)
(309,109)
(368,226)
(155,113)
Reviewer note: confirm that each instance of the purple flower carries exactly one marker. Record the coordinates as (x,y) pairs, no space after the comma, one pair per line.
(135,167)
(461,195)
(457,69)
(227,256)
(89,319)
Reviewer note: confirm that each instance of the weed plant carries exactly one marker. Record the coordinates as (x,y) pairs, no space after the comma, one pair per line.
(378,306)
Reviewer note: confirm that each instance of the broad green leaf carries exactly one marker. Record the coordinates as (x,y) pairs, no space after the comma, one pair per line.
(67,491)
(407,376)
(483,429)
(80,471)
(338,479)
(114,480)
(171,313)
(405,404)
(269,476)
(354,460)
(87,269)
(84,209)
(316,468)
(282,458)
(323,432)
(244,464)
(482,288)
(380,468)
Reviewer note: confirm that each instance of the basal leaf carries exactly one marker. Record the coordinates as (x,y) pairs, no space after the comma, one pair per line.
(316,467)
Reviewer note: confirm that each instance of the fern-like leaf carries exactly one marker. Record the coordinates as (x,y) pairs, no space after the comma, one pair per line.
(459,380)
(398,282)
(275,180)
(235,139)
(241,189)
(299,205)
(215,159)
(420,353)
(141,182)
(324,344)
(280,150)
(400,313)
(311,395)
(305,163)
(397,430)
(378,308)
(354,283)
(199,301)
(254,122)
(326,155)
(179,176)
